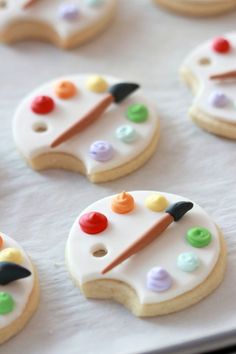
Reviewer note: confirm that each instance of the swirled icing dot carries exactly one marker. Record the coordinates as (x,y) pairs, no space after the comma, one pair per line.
(158,279)
(218,99)
(93,222)
(126,133)
(188,261)
(11,255)
(123,203)
(101,151)
(68,12)
(199,237)
(97,84)
(221,45)
(94,3)
(42,105)
(137,113)
(6,303)
(156,202)
(1,242)
(65,89)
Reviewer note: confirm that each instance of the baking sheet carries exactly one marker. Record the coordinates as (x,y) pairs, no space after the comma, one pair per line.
(146,45)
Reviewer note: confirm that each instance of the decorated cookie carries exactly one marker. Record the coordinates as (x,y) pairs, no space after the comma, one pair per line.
(65,23)
(154,252)
(210,71)
(19,290)
(97,125)
(198,7)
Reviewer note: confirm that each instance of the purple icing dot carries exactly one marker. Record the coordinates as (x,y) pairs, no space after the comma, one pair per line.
(218,99)
(101,151)
(158,279)
(68,12)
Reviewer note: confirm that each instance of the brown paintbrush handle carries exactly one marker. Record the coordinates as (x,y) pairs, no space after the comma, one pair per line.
(142,242)
(85,121)
(226,75)
(28,3)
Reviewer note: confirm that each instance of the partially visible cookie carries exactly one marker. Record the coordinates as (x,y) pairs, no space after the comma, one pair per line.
(64,23)
(115,141)
(210,71)
(180,267)
(198,7)
(19,288)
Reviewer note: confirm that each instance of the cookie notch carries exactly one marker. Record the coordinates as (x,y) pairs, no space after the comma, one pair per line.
(34,29)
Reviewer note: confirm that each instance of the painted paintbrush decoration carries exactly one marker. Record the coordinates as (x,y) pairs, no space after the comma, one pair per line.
(116,94)
(28,3)
(174,213)
(10,272)
(224,76)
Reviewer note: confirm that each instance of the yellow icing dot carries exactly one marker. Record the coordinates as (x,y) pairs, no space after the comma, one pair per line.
(156,202)
(97,84)
(11,255)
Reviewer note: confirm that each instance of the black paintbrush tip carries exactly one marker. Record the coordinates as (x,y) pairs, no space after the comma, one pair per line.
(179,209)
(122,90)
(10,272)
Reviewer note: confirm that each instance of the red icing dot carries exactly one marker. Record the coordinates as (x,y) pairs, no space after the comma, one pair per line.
(221,45)
(42,105)
(93,222)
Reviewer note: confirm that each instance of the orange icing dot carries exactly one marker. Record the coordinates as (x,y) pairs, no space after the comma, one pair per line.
(1,241)
(123,203)
(65,89)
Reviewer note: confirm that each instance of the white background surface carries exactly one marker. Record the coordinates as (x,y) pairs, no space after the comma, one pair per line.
(146,45)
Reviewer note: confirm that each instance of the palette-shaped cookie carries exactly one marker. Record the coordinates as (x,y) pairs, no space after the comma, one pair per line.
(118,142)
(198,7)
(19,289)
(65,23)
(181,266)
(204,71)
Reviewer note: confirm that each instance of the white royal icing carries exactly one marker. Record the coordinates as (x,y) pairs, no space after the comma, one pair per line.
(219,63)
(123,229)
(47,11)
(32,144)
(21,289)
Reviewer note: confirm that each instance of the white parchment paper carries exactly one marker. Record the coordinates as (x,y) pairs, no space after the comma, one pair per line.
(146,45)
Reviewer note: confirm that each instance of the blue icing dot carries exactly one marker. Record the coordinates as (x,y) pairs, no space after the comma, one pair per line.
(188,261)
(126,133)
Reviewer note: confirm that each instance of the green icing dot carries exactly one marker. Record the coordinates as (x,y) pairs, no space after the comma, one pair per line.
(137,113)
(199,237)
(6,303)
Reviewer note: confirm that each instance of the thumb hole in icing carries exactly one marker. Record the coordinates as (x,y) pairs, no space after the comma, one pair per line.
(99,251)
(204,61)
(40,127)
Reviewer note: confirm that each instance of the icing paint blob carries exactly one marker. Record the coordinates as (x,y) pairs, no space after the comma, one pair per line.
(199,237)
(123,203)
(93,222)
(158,279)
(188,261)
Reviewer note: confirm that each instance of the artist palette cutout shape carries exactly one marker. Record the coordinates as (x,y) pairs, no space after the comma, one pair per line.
(64,23)
(165,276)
(96,151)
(214,107)
(19,293)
